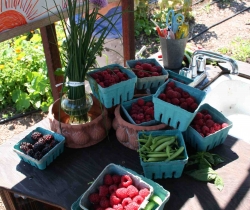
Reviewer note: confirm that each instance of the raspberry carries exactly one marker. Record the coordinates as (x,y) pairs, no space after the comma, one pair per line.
(126,180)
(178,90)
(118,207)
(212,130)
(205,129)
(217,126)
(177,94)
(175,101)
(132,191)
(193,107)
(112,188)
(114,200)
(170,94)
(138,67)
(171,84)
(94,198)
(138,199)
(162,96)
(116,178)
(144,192)
(155,74)
(199,122)
(99,208)
(140,116)
(132,206)
(185,94)
(103,190)
(189,101)
(153,70)
(107,180)
(104,202)
(121,192)
(140,102)
(94,75)
(223,125)
(146,66)
(209,123)
(207,117)
(149,103)
(126,201)
(184,105)
(198,116)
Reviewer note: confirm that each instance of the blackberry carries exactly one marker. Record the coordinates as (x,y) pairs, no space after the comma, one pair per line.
(42,141)
(30,152)
(25,146)
(48,138)
(38,147)
(38,155)
(36,135)
(45,150)
(53,143)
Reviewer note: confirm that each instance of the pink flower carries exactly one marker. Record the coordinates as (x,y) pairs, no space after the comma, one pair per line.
(99,3)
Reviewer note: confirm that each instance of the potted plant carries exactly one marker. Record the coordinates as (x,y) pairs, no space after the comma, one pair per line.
(85,34)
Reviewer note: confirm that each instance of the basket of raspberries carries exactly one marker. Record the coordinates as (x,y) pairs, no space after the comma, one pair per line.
(176,104)
(208,129)
(140,111)
(150,74)
(112,84)
(40,147)
(116,188)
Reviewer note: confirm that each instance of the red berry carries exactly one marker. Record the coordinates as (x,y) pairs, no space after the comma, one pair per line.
(171,84)
(162,96)
(223,125)
(94,198)
(184,105)
(207,117)
(121,192)
(118,207)
(170,94)
(132,191)
(154,69)
(104,202)
(189,101)
(155,74)
(103,190)
(144,192)
(112,188)
(146,66)
(116,178)
(193,107)
(140,74)
(175,101)
(198,116)
(178,89)
(209,123)
(217,126)
(126,201)
(114,200)
(185,94)
(126,180)
(205,129)
(132,206)
(107,180)
(138,199)
(140,102)
(140,116)
(149,103)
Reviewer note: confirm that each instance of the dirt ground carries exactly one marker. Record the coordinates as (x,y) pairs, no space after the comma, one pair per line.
(223,22)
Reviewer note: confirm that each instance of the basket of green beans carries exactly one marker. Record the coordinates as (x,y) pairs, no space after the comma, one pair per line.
(162,154)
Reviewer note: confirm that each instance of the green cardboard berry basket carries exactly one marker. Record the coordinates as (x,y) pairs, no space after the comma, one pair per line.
(125,106)
(148,82)
(85,204)
(192,137)
(47,158)
(173,115)
(164,169)
(157,190)
(117,93)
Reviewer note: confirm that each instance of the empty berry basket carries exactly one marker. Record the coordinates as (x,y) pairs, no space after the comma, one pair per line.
(114,169)
(46,159)
(200,143)
(116,93)
(126,108)
(148,82)
(174,115)
(165,168)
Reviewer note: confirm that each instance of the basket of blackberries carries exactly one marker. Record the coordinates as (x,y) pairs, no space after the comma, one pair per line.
(40,147)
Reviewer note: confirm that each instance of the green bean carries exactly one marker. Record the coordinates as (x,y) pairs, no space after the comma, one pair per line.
(153,146)
(163,145)
(176,154)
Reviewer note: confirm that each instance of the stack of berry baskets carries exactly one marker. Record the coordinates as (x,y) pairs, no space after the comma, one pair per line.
(116,187)
(150,74)
(112,84)
(40,147)
(140,111)
(208,129)
(176,104)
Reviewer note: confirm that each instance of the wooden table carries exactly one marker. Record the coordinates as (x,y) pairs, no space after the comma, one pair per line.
(69,175)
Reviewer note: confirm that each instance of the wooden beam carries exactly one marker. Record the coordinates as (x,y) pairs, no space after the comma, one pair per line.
(52,56)
(128,30)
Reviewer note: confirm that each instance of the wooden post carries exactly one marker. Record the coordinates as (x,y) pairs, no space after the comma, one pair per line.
(128,30)
(52,56)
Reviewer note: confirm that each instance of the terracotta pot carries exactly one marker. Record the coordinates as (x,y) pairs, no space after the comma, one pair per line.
(127,132)
(83,135)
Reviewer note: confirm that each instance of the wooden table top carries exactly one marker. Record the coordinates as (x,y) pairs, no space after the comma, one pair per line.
(69,175)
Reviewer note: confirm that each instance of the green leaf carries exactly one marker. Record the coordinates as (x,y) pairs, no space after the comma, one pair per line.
(219,183)
(203,163)
(209,157)
(205,174)
(217,159)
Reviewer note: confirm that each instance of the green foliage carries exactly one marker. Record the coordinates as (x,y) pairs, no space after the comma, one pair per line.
(23,74)
(200,165)
(239,49)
